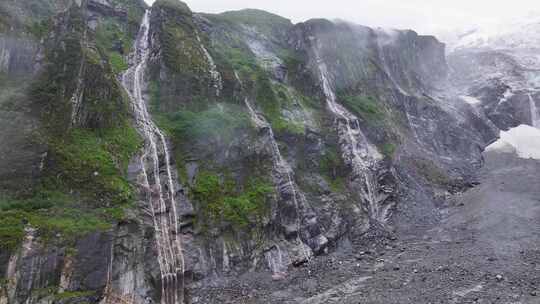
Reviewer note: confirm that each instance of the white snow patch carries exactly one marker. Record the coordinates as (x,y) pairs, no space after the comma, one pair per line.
(516,33)
(523,140)
(470,100)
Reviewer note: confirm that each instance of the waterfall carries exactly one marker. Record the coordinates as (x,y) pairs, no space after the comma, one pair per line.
(283,170)
(76,98)
(534,112)
(158,190)
(214,74)
(5,56)
(356,149)
(276,261)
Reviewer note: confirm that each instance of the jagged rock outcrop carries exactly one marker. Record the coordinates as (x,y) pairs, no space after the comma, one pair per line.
(67,140)
(261,145)
(498,69)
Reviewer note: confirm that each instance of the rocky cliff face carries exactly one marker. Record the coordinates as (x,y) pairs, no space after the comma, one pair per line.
(498,69)
(176,156)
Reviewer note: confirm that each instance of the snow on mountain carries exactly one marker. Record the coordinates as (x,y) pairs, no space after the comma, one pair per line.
(523,140)
(517,33)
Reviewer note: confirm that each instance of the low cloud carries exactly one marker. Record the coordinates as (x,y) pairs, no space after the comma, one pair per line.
(424,16)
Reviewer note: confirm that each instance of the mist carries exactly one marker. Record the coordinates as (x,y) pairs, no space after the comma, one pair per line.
(424,16)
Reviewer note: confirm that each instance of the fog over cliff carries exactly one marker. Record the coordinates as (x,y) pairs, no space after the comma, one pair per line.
(174,153)
(423,16)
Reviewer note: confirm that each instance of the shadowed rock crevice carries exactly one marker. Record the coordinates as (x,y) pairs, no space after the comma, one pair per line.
(162,155)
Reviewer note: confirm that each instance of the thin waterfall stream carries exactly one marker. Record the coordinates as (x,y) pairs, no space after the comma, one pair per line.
(282,167)
(214,73)
(360,153)
(534,112)
(157,186)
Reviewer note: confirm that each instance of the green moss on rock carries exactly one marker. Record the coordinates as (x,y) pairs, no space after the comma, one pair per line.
(266,23)
(182,68)
(221,200)
(93,164)
(175,5)
(56,216)
(271,105)
(115,43)
(38,29)
(220,123)
(388,149)
(178,37)
(331,168)
(365,107)
(82,188)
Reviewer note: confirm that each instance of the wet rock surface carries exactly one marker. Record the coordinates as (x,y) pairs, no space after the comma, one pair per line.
(379,193)
(484,250)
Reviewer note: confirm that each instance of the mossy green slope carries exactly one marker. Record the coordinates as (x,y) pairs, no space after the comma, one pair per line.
(82,188)
(182,69)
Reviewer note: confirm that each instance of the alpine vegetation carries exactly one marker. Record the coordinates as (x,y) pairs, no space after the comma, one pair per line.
(152,154)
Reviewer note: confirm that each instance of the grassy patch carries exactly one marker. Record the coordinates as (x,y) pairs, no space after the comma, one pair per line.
(218,123)
(55,215)
(93,164)
(270,98)
(154,90)
(271,104)
(38,29)
(11,230)
(211,129)
(177,26)
(83,188)
(121,143)
(265,22)
(365,107)
(223,201)
(330,166)
(118,62)
(110,36)
(388,149)
(113,41)
(376,117)
(175,5)
(241,59)
(292,61)
(135,13)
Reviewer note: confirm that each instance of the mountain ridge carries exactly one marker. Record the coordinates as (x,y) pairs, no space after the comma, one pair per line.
(180,155)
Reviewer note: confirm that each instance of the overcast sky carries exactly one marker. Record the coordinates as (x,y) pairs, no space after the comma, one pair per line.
(424,16)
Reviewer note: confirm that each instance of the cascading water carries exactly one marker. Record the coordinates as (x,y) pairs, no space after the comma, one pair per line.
(534,112)
(214,73)
(283,170)
(158,191)
(76,98)
(361,155)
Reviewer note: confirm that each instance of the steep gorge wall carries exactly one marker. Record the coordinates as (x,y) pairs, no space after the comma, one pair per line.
(70,193)
(289,141)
